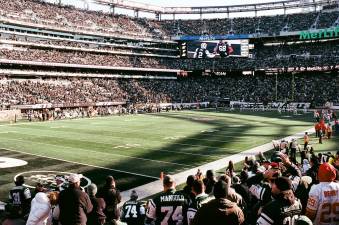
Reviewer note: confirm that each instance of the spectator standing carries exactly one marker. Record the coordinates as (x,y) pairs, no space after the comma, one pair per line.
(20,197)
(133,211)
(200,198)
(323,198)
(230,169)
(209,181)
(219,211)
(188,188)
(169,207)
(112,198)
(41,208)
(74,204)
(97,216)
(284,208)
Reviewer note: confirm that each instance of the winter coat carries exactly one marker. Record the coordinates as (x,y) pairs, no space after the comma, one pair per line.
(74,205)
(219,212)
(40,210)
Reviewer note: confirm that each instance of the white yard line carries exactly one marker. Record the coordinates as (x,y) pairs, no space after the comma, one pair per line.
(83,164)
(154,187)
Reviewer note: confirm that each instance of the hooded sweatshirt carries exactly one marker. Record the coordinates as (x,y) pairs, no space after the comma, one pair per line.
(219,212)
(40,210)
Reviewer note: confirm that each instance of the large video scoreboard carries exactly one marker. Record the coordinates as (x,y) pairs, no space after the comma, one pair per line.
(201,47)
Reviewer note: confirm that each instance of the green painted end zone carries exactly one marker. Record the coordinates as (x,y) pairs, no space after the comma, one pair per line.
(136,148)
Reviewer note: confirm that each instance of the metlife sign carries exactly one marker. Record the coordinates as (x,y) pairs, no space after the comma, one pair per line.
(213,37)
(319,34)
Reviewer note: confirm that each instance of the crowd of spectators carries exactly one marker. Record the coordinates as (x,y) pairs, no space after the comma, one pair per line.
(69,17)
(86,45)
(306,87)
(251,25)
(40,12)
(82,58)
(264,57)
(306,50)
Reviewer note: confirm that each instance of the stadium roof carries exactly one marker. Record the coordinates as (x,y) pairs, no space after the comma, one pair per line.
(274,5)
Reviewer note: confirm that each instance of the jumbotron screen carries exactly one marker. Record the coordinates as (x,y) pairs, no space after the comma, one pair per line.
(214,49)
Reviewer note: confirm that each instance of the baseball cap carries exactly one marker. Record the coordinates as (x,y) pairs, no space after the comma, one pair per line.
(74,178)
(274,165)
(326,173)
(283,183)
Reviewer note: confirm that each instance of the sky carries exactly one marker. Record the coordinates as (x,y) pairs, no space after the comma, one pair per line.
(178,3)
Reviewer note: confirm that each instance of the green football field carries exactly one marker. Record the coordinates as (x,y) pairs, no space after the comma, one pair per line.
(136,148)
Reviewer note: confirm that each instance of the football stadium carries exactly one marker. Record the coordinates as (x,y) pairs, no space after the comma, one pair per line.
(195,113)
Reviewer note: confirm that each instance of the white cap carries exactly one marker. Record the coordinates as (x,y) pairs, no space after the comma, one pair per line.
(74,178)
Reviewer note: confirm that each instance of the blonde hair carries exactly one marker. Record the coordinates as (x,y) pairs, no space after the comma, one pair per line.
(53,197)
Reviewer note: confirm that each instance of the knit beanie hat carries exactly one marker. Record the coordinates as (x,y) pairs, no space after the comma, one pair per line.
(326,173)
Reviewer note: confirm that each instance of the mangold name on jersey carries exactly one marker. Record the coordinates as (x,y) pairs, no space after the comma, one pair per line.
(172,198)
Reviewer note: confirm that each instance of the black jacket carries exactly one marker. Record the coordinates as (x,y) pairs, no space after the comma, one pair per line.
(74,204)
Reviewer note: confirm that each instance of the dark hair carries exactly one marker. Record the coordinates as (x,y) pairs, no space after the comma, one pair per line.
(189,181)
(19,180)
(220,189)
(243,176)
(230,165)
(109,180)
(209,174)
(198,186)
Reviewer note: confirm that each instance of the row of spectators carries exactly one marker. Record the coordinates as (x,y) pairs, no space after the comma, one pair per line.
(298,55)
(252,25)
(307,87)
(69,17)
(129,47)
(40,12)
(307,50)
(83,58)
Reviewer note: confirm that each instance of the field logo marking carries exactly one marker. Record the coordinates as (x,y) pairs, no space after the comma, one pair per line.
(6,162)
(174,137)
(48,179)
(127,146)
(209,131)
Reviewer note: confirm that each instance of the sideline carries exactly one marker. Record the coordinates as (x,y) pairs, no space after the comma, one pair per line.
(155,187)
